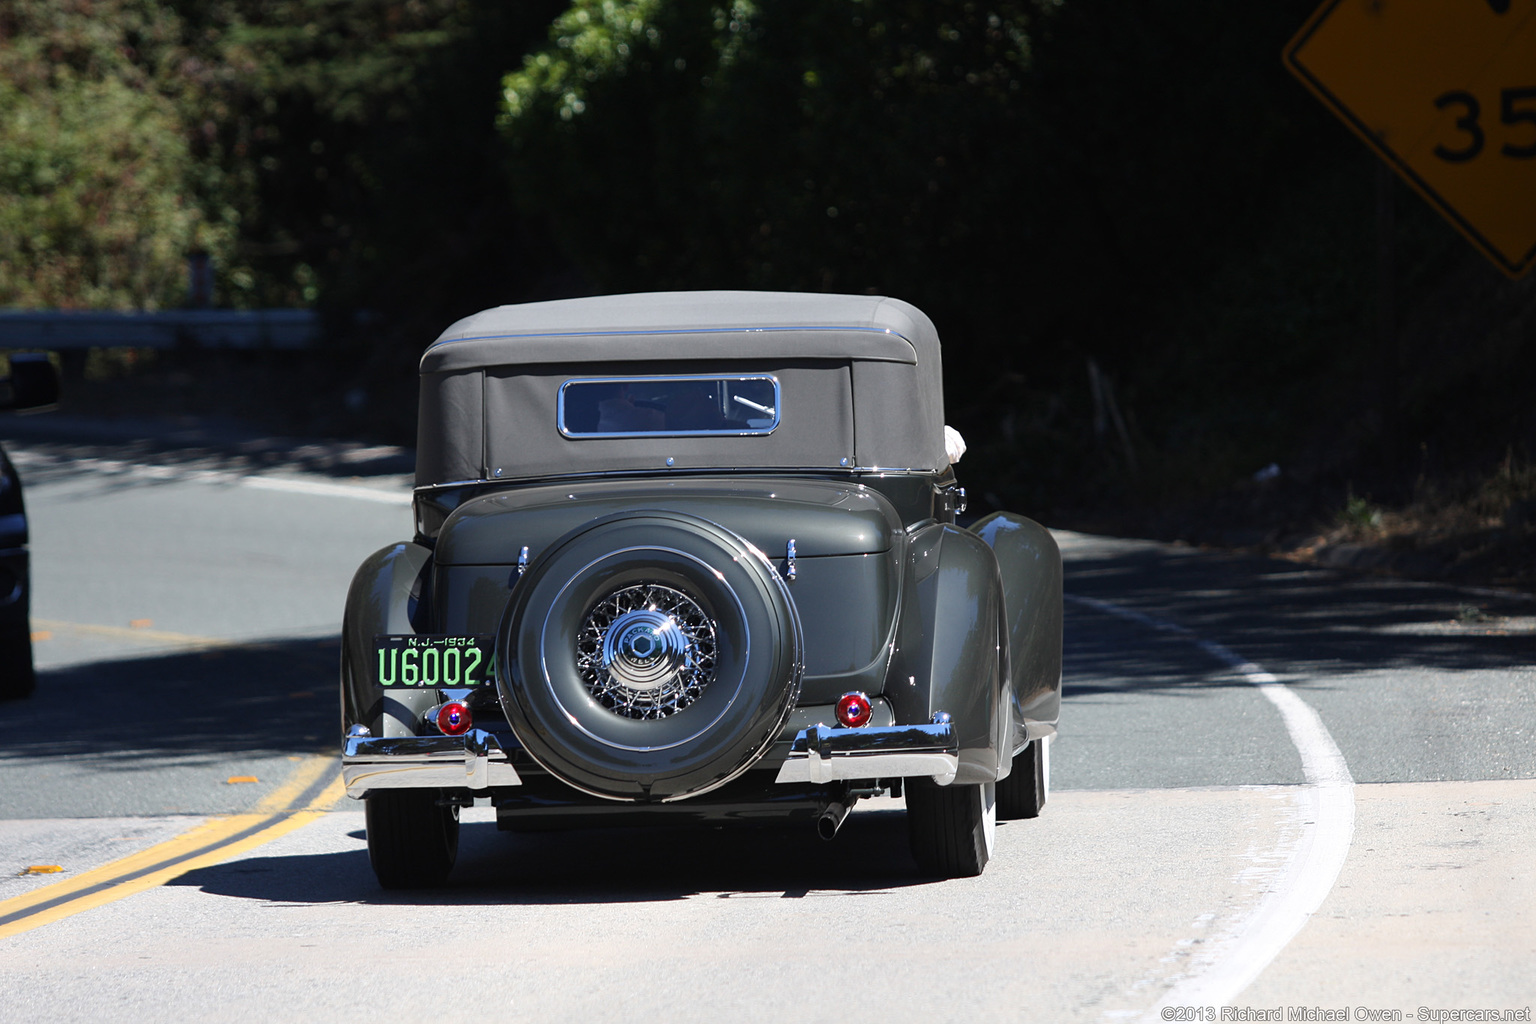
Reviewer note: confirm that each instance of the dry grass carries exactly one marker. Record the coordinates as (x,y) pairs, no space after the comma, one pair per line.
(1481,529)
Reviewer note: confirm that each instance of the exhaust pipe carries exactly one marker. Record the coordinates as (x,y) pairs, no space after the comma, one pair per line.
(832,817)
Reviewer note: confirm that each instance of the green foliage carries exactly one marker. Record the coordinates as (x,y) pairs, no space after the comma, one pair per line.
(1134,182)
(829,146)
(303,111)
(1359,514)
(358,139)
(594,40)
(1050,181)
(356,61)
(312,147)
(95,209)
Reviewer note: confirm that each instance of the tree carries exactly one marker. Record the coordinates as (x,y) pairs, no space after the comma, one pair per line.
(96,196)
(850,145)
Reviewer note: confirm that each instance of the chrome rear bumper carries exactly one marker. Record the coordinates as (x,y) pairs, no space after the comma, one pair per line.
(476,761)
(471,761)
(820,754)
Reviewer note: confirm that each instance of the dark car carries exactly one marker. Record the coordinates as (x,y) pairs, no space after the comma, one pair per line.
(693,556)
(33,384)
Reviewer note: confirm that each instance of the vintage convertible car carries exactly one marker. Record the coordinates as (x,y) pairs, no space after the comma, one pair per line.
(693,556)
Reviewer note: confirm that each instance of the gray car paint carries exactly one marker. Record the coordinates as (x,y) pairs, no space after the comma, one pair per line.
(895,599)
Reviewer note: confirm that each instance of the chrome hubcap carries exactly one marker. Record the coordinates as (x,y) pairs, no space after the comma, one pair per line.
(646,651)
(643,649)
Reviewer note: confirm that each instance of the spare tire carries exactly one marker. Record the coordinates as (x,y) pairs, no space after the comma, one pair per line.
(649,656)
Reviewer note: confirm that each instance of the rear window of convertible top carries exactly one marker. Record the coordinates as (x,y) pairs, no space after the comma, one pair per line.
(696,404)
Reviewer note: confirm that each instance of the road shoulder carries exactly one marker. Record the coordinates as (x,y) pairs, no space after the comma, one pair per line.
(1433,906)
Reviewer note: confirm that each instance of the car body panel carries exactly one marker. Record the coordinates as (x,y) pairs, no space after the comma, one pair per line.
(386,597)
(849,502)
(823,517)
(1029,564)
(949,655)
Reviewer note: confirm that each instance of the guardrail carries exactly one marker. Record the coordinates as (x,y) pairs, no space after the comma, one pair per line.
(209,328)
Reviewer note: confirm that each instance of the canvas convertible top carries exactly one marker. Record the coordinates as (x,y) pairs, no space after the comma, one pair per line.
(861,379)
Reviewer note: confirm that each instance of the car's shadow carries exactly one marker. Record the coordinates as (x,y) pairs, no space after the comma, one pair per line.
(632,865)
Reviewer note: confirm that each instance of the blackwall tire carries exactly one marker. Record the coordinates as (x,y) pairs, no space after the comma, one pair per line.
(17,679)
(412,840)
(1023,793)
(734,680)
(952,829)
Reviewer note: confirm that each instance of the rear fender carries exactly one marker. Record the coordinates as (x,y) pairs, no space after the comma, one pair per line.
(1030,564)
(387,596)
(949,655)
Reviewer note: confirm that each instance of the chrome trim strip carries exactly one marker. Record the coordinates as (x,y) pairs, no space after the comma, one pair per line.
(816,471)
(620,333)
(820,754)
(472,761)
(451,483)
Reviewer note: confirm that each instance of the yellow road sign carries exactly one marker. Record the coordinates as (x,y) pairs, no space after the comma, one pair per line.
(1444,91)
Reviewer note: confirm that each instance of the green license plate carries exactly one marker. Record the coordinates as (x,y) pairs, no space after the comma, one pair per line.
(435,661)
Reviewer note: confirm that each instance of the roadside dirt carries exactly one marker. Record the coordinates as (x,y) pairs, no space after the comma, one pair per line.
(1479,531)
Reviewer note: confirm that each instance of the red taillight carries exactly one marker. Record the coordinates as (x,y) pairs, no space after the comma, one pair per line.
(454,719)
(853,710)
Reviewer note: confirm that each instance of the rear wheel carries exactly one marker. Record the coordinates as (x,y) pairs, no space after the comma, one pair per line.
(1022,794)
(412,840)
(951,828)
(16,676)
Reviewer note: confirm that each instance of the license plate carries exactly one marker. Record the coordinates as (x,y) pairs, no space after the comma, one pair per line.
(435,661)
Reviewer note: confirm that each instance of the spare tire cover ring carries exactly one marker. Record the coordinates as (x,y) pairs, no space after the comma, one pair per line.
(722,731)
(554,606)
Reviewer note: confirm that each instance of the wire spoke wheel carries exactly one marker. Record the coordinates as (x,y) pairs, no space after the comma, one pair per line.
(646,651)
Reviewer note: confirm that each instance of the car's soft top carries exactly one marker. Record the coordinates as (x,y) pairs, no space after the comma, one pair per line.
(688,325)
(861,375)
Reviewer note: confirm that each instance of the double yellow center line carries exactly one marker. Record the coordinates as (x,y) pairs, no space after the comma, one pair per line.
(304,796)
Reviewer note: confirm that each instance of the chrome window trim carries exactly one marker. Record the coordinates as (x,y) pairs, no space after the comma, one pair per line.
(778,407)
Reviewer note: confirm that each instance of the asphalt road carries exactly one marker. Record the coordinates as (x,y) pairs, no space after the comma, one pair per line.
(1274,787)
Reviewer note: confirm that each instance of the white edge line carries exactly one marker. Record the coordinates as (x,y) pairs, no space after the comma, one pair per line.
(1328,827)
(323,489)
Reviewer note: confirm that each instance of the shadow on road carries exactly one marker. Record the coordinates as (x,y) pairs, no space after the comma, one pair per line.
(1295,622)
(57,446)
(639,865)
(277,697)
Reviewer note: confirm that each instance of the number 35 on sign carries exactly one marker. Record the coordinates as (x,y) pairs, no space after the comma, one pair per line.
(1445,92)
